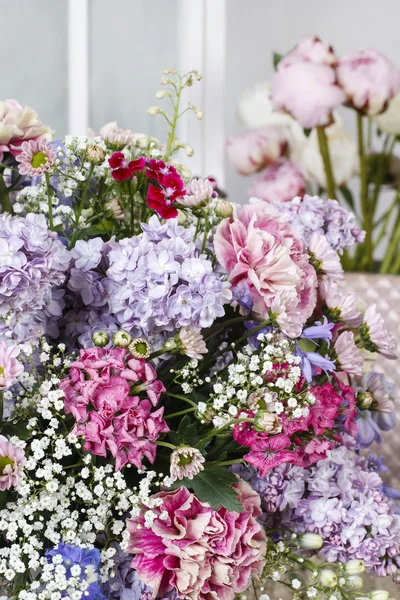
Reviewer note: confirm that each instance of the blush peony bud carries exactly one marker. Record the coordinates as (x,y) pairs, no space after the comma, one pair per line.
(310,541)
(314,50)
(306,90)
(121,339)
(255,149)
(281,182)
(267,422)
(369,80)
(100,339)
(96,154)
(354,567)
(328,578)
(223,209)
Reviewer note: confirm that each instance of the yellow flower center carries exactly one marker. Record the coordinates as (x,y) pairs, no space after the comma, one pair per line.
(1,372)
(39,159)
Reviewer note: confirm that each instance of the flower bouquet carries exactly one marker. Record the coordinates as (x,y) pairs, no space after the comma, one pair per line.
(185,393)
(298,142)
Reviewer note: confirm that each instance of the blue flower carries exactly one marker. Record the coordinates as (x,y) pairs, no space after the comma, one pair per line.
(319,331)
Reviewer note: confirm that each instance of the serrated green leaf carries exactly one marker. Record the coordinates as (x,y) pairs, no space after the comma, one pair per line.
(187,433)
(214,485)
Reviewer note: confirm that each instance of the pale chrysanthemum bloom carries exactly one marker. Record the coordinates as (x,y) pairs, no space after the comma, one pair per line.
(283,312)
(325,260)
(375,334)
(116,209)
(110,132)
(348,355)
(198,191)
(342,307)
(12,460)
(192,343)
(10,367)
(375,384)
(36,158)
(186,462)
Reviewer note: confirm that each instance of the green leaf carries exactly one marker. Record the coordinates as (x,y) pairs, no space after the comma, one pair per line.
(3,499)
(101,229)
(307,345)
(276,58)
(214,485)
(187,433)
(17,428)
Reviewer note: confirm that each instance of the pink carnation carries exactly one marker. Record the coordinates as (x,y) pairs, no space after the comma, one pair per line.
(307,90)
(264,254)
(205,554)
(102,393)
(12,461)
(10,367)
(281,182)
(325,409)
(19,123)
(369,80)
(255,149)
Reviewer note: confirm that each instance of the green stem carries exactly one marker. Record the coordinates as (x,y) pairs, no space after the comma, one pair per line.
(206,230)
(216,431)
(183,398)
(385,219)
(396,267)
(166,445)
(392,248)
(49,200)
(175,118)
(225,324)
(324,149)
(179,413)
(4,197)
(81,205)
(227,463)
(365,207)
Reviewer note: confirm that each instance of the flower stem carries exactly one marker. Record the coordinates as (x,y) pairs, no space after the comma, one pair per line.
(365,207)
(227,463)
(216,431)
(166,445)
(183,398)
(175,118)
(181,412)
(392,248)
(81,206)
(326,158)
(4,197)
(49,201)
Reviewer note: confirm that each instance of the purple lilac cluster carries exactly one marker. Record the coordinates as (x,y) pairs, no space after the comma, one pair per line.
(33,264)
(125,583)
(343,499)
(311,213)
(160,281)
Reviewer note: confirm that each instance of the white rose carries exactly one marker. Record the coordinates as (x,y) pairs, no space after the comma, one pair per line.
(255,110)
(342,149)
(389,121)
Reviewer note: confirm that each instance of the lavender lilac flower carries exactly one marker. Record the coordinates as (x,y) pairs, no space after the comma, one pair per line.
(33,263)
(160,281)
(311,213)
(343,499)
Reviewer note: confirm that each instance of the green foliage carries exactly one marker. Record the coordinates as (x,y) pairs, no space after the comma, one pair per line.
(214,485)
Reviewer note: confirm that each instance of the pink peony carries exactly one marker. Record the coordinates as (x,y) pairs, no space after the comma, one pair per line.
(314,50)
(262,253)
(10,367)
(307,90)
(281,182)
(205,554)
(102,394)
(255,149)
(19,123)
(12,461)
(369,80)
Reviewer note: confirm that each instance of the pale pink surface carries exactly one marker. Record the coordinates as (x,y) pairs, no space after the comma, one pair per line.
(257,250)
(315,50)
(204,553)
(369,80)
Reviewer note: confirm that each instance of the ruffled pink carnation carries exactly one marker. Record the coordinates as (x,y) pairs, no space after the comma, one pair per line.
(10,367)
(255,149)
(369,80)
(281,182)
(19,123)
(205,554)
(12,461)
(264,254)
(102,393)
(307,90)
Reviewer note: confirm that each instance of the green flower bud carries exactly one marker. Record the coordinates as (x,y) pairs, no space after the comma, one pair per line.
(311,541)
(354,567)
(122,339)
(328,578)
(100,339)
